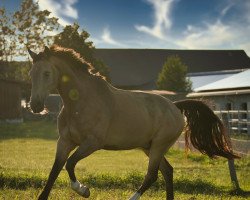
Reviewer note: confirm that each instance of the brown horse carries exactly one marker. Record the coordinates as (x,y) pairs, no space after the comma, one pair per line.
(97,116)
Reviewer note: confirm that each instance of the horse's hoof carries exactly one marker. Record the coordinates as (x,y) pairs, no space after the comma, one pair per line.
(86,193)
(136,196)
(80,189)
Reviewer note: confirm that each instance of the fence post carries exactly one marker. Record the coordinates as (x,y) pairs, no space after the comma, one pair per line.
(233,175)
(232,170)
(231,165)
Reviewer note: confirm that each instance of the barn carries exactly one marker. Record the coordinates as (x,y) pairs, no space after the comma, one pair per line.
(10,101)
(231,97)
(139,68)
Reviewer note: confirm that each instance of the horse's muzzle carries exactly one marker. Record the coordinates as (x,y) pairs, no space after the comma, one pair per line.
(37,106)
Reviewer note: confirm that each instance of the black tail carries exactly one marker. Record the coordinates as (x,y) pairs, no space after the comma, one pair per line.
(205,130)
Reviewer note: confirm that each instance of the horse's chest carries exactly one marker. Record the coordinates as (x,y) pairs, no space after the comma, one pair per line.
(79,127)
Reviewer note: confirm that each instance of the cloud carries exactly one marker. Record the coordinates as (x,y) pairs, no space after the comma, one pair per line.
(210,36)
(227,8)
(62,9)
(106,39)
(220,33)
(246,47)
(162,21)
(216,36)
(223,33)
(247,11)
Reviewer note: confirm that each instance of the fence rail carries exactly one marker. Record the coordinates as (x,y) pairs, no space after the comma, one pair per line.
(236,121)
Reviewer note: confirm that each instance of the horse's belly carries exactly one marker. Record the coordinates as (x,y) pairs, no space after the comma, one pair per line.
(128,135)
(126,144)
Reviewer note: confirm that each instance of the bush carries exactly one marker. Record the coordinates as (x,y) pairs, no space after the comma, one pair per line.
(173,76)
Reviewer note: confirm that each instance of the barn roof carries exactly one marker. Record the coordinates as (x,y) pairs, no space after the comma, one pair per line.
(131,67)
(240,80)
(204,78)
(219,93)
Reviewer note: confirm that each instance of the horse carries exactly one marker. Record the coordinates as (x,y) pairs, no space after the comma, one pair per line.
(96,115)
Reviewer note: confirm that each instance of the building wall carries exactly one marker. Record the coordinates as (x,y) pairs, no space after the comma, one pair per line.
(237,101)
(234,110)
(10,100)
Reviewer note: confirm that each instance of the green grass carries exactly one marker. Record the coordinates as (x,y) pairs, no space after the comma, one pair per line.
(27,154)
(240,136)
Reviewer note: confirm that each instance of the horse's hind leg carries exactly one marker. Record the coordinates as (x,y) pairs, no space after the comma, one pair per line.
(167,172)
(156,153)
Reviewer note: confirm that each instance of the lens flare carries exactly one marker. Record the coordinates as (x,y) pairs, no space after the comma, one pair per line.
(74,94)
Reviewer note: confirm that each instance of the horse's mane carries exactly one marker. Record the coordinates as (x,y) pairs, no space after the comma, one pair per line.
(74,59)
(71,57)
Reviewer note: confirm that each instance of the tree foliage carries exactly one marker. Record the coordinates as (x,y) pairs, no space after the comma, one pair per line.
(28,26)
(72,38)
(34,27)
(173,76)
(7,34)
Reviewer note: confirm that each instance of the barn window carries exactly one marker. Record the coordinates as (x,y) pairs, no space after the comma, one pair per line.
(243,106)
(228,106)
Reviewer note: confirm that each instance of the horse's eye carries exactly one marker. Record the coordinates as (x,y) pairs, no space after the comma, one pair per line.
(46,74)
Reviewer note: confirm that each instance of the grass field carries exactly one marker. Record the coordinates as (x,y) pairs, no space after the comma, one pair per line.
(27,154)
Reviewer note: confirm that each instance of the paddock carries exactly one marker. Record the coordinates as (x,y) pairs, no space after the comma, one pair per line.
(111,175)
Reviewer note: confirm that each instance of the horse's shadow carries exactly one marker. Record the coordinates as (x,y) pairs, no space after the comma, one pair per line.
(130,182)
(202,187)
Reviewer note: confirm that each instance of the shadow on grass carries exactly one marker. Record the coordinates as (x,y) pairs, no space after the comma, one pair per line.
(130,181)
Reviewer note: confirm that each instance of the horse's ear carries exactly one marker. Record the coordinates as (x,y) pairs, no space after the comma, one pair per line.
(46,51)
(32,54)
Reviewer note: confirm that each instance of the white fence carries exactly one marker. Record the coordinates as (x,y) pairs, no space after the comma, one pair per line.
(236,121)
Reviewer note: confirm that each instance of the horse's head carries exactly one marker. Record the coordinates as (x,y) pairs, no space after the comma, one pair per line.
(44,78)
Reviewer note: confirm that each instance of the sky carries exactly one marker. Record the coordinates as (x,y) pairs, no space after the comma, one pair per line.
(160,24)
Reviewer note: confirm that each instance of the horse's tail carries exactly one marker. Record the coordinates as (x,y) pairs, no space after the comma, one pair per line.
(205,130)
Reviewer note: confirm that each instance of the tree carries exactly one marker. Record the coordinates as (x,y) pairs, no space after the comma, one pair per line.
(7,34)
(72,38)
(173,76)
(26,26)
(34,27)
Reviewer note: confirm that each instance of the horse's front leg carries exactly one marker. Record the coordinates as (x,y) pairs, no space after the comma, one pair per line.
(85,149)
(62,153)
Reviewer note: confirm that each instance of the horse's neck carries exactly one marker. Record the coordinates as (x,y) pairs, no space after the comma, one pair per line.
(72,86)
(76,87)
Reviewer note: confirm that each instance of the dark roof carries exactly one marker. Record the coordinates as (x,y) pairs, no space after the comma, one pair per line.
(142,66)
